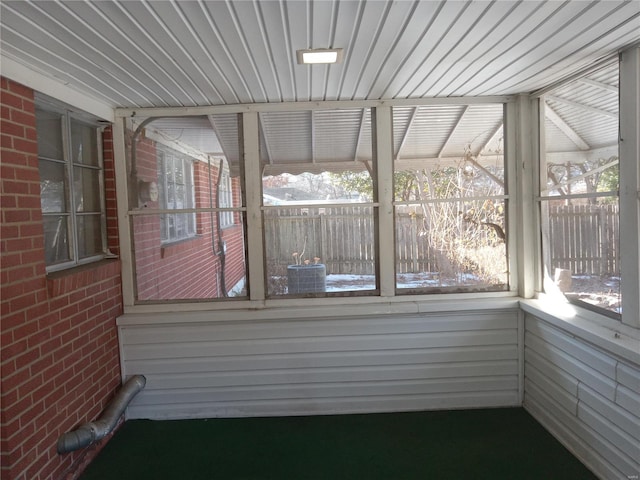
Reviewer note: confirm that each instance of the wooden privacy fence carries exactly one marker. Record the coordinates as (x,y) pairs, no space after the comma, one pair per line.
(584,239)
(344,239)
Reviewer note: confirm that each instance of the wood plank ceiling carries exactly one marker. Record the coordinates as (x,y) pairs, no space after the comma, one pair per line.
(135,54)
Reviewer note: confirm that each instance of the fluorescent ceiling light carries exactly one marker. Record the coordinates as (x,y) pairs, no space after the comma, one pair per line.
(320,55)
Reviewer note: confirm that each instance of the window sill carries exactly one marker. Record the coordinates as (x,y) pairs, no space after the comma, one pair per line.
(176,247)
(65,281)
(589,326)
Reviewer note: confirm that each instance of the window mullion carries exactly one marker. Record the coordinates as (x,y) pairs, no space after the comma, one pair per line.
(68,156)
(630,185)
(253,192)
(384,171)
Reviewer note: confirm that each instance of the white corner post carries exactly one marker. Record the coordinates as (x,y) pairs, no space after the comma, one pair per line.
(525,206)
(124,224)
(630,185)
(253,195)
(384,172)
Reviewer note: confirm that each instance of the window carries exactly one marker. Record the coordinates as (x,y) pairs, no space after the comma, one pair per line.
(71,178)
(318,197)
(226,198)
(175,192)
(450,198)
(579,191)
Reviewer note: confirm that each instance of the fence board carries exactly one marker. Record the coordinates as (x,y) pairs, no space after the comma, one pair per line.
(584,239)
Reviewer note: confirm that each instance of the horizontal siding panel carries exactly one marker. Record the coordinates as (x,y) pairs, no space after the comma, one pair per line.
(322,344)
(601,383)
(550,371)
(328,406)
(315,327)
(325,359)
(613,415)
(628,399)
(322,366)
(611,433)
(629,377)
(586,444)
(379,373)
(535,379)
(593,414)
(332,390)
(584,353)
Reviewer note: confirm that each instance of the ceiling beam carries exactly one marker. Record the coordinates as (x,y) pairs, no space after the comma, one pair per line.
(565,128)
(360,132)
(600,85)
(587,108)
(489,140)
(266,140)
(455,127)
(612,163)
(396,155)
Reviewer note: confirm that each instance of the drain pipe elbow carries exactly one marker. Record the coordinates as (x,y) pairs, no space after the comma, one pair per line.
(91,432)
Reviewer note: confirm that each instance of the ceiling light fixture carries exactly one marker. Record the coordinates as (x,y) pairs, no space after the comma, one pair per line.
(320,55)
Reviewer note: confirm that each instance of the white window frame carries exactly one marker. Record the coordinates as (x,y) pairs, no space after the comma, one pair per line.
(68,115)
(629,198)
(166,219)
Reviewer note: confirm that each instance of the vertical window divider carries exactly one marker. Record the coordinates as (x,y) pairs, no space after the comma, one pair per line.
(384,171)
(629,154)
(253,191)
(124,220)
(525,204)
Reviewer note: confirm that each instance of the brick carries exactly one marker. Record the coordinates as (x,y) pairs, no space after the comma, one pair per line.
(20,89)
(11,100)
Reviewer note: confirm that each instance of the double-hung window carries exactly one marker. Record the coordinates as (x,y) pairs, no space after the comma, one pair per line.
(176,192)
(71,193)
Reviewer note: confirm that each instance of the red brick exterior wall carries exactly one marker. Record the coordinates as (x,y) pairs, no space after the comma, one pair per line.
(60,358)
(191,268)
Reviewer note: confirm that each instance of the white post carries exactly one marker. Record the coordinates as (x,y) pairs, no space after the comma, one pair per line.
(253,196)
(386,227)
(630,185)
(124,224)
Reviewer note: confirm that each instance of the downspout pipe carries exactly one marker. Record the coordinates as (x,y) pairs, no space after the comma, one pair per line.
(91,432)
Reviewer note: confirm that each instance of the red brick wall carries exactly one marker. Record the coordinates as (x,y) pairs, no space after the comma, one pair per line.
(190,268)
(60,359)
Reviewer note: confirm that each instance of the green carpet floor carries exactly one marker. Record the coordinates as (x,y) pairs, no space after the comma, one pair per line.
(467,444)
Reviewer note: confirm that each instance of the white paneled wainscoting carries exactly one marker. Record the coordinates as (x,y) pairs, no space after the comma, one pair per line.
(303,364)
(580,382)
(586,395)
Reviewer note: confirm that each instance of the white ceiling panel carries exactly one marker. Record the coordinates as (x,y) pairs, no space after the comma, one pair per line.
(143,53)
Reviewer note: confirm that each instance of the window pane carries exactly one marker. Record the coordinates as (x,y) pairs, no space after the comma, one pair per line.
(84,144)
(183,256)
(86,189)
(318,192)
(53,187)
(580,176)
(49,133)
(56,239)
(449,189)
(89,236)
